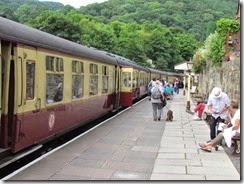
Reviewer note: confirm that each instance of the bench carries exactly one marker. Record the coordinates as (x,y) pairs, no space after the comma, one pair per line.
(236,144)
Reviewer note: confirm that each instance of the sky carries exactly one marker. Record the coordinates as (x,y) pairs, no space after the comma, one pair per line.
(76,3)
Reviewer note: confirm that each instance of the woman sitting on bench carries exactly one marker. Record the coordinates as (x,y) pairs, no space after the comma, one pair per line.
(227,133)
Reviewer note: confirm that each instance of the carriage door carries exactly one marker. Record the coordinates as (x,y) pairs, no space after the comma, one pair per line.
(116,99)
(28,103)
(126,87)
(0,89)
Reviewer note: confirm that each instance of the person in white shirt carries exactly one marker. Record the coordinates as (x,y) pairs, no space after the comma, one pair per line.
(218,104)
(227,133)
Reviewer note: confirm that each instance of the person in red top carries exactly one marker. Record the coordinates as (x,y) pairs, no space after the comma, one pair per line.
(199,109)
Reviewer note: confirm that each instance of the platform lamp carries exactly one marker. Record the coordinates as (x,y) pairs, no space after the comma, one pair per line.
(184,85)
(189,65)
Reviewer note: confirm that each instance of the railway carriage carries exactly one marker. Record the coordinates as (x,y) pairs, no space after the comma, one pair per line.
(50,85)
(134,80)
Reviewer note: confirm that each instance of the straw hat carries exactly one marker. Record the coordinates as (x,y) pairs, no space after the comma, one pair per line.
(216,92)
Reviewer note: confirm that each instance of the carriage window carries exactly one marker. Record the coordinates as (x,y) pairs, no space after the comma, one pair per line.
(30,78)
(77,79)
(93,69)
(50,63)
(126,78)
(54,79)
(105,79)
(59,64)
(74,64)
(135,79)
(112,79)
(93,79)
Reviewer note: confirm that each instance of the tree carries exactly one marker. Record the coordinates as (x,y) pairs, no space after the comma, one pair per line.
(187,45)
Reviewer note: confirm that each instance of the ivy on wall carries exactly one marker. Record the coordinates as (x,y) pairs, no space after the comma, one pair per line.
(214,46)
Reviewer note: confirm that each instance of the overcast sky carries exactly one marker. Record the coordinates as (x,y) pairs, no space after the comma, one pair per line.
(76,3)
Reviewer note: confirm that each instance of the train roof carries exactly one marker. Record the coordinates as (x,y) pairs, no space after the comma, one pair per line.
(17,32)
(175,74)
(165,72)
(126,62)
(152,70)
(122,61)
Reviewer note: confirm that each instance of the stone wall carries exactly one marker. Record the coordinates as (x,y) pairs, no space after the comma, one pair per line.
(226,77)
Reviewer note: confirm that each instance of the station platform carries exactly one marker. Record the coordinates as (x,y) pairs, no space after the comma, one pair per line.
(132,146)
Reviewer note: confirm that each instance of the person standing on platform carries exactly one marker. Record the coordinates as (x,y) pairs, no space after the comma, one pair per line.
(157,93)
(176,85)
(149,87)
(218,104)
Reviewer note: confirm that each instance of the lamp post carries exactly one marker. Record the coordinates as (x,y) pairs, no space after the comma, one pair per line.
(184,84)
(189,67)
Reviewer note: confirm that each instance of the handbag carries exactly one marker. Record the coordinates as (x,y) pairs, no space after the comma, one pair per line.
(163,100)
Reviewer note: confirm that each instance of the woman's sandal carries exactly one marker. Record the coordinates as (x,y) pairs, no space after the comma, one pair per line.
(205,149)
(202,145)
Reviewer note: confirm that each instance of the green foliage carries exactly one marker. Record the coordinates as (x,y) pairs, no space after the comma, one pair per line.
(168,32)
(194,17)
(227,25)
(217,46)
(186,44)
(57,24)
(214,46)
(199,61)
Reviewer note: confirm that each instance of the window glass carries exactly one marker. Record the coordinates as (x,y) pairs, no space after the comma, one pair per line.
(30,78)
(91,68)
(74,66)
(93,79)
(54,88)
(81,67)
(49,63)
(112,79)
(93,85)
(59,65)
(105,84)
(95,69)
(77,86)
(126,78)
(105,79)
(134,82)
(54,79)
(77,79)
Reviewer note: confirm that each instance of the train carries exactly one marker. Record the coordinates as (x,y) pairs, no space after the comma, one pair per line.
(50,85)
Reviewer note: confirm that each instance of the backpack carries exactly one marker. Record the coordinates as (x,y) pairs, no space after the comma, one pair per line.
(149,86)
(156,93)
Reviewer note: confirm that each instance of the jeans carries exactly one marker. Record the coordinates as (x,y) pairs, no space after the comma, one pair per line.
(177,90)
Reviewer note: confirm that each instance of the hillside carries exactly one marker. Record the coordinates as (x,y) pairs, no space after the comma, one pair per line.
(197,17)
(165,32)
(8,8)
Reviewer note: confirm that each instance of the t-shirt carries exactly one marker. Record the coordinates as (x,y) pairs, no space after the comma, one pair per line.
(235,117)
